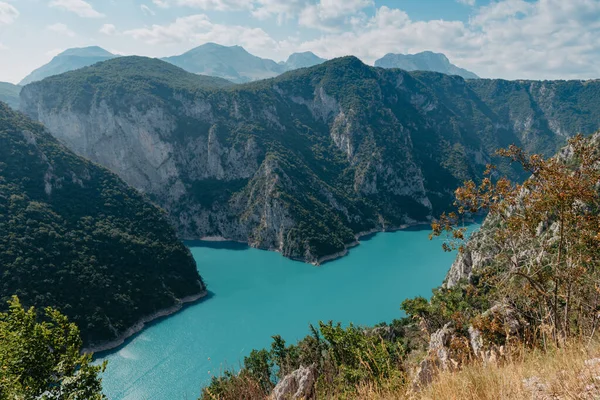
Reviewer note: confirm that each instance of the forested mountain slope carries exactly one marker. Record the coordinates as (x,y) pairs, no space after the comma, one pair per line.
(9,94)
(304,162)
(75,237)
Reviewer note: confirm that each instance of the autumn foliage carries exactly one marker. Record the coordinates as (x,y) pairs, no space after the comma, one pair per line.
(546,237)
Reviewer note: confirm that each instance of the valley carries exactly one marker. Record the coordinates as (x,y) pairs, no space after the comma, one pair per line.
(306,162)
(299,200)
(256,294)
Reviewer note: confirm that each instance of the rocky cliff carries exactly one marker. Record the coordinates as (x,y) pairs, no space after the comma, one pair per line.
(305,162)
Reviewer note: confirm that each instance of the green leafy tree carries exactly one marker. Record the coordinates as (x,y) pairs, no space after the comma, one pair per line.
(259,365)
(42,360)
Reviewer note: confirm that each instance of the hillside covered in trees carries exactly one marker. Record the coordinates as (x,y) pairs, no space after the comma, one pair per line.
(75,237)
(305,162)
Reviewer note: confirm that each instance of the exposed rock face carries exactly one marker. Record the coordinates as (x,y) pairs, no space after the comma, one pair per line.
(299,384)
(479,252)
(75,237)
(299,164)
(437,359)
(508,320)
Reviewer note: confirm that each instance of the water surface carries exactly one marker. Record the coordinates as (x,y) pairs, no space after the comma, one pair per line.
(256,294)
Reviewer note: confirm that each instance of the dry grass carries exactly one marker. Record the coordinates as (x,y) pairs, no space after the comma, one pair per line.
(572,372)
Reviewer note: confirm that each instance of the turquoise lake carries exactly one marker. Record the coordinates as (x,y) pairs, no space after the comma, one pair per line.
(256,294)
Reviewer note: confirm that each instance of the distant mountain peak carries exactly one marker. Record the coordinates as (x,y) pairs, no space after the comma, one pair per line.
(69,60)
(233,63)
(424,61)
(303,60)
(90,51)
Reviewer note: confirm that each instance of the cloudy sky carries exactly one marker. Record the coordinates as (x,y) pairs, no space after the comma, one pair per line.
(533,39)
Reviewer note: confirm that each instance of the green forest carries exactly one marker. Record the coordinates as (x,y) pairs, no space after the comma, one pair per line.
(75,237)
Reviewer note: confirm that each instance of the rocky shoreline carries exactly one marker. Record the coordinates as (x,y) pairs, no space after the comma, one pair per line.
(138,326)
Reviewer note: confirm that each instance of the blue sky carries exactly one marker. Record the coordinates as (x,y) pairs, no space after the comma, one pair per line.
(533,39)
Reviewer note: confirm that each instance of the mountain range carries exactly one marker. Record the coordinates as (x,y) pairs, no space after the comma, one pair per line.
(425,61)
(235,64)
(307,162)
(75,237)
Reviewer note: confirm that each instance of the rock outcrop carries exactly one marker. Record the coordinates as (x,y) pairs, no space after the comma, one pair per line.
(298,385)
(437,358)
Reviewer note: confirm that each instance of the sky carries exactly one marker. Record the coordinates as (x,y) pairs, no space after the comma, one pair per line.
(511,39)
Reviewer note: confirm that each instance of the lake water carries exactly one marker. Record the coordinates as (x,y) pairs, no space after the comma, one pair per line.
(256,294)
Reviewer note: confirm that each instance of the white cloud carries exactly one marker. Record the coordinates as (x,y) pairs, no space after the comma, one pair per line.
(322,14)
(547,39)
(108,29)
(54,52)
(331,14)
(147,10)
(544,39)
(161,3)
(281,9)
(79,7)
(501,10)
(219,5)
(8,13)
(61,29)
(467,2)
(3,47)
(198,29)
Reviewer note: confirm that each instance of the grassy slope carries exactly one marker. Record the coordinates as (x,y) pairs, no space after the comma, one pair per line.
(567,373)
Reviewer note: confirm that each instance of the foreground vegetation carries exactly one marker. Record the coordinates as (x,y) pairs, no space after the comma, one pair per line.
(40,357)
(514,316)
(568,372)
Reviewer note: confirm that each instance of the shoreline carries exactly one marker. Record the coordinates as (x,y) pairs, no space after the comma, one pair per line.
(141,324)
(360,235)
(327,258)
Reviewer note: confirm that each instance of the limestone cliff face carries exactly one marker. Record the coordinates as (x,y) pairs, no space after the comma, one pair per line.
(479,253)
(299,164)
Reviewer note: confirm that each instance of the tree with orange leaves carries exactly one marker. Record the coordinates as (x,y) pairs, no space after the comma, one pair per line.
(546,232)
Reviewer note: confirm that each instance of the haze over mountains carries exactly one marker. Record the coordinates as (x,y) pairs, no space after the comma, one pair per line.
(305,162)
(237,65)
(424,61)
(9,94)
(69,60)
(234,63)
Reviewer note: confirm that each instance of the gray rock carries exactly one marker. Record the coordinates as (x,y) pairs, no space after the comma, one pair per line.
(491,353)
(300,384)
(437,359)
